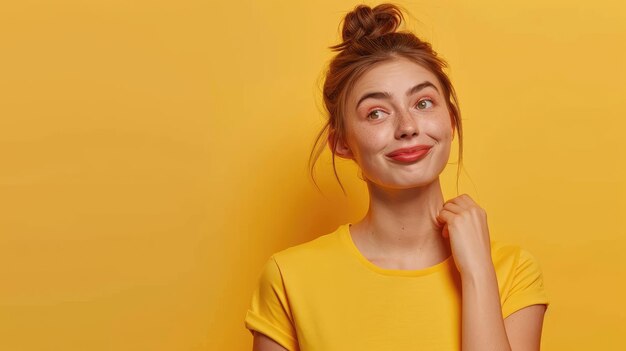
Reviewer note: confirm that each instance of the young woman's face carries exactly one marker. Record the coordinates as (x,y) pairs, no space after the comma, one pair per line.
(397,104)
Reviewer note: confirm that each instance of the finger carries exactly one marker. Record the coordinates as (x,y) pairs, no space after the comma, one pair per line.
(445,232)
(444,216)
(459,201)
(466,200)
(467,203)
(453,207)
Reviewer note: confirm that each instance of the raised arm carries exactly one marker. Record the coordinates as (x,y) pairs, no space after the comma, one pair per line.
(482,325)
(483,328)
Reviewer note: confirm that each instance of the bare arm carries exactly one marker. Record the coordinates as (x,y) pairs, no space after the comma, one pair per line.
(482,325)
(524,328)
(264,343)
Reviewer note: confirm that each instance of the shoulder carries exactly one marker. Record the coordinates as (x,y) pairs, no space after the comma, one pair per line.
(520,277)
(313,253)
(514,265)
(511,255)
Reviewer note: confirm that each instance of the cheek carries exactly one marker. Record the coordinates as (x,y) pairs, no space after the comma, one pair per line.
(367,141)
(442,130)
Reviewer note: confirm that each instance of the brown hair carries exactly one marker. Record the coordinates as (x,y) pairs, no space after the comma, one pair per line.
(370,36)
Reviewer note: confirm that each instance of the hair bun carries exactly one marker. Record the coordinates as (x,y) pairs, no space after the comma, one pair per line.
(367,24)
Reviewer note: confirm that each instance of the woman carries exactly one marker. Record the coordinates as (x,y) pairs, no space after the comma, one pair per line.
(416,273)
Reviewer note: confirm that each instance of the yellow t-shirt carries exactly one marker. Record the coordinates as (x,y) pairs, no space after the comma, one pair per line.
(324,295)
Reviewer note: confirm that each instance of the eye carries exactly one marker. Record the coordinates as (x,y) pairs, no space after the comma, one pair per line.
(422,104)
(375,114)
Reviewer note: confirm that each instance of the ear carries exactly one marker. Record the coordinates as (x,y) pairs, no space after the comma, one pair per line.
(342,150)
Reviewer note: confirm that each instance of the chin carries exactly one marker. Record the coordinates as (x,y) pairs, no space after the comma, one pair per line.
(400,184)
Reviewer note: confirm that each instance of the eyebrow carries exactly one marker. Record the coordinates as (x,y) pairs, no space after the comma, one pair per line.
(386,95)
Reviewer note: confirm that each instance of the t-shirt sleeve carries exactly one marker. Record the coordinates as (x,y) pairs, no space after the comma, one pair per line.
(269,311)
(527,287)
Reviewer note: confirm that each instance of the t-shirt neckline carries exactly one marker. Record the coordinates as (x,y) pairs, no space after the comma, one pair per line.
(346,238)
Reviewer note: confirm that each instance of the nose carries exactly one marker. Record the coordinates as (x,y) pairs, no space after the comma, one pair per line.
(406,126)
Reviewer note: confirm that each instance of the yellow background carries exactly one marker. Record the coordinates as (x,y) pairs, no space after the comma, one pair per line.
(153,155)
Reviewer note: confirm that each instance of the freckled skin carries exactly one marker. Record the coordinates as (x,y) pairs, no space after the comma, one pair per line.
(402,121)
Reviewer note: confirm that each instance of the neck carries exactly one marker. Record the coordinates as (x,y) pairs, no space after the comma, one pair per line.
(402,222)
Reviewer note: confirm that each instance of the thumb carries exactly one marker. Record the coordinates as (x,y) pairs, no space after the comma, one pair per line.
(439,221)
(445,232)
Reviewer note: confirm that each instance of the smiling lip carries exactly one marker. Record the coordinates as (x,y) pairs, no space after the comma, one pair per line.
(409,154)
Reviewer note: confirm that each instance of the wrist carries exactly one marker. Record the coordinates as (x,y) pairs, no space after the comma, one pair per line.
(479,274)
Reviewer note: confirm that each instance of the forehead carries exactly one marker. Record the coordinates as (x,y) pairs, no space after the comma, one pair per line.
(393,76)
